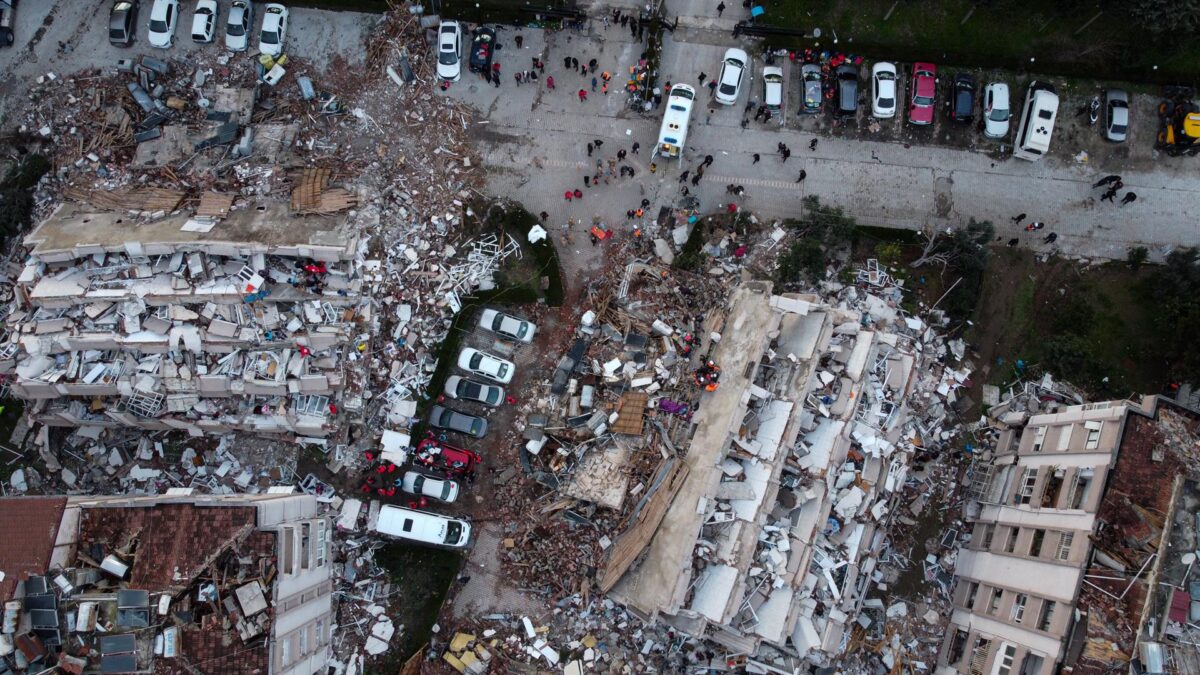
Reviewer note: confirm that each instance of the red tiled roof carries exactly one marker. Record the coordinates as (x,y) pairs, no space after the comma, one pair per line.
(173,540)
(28,528)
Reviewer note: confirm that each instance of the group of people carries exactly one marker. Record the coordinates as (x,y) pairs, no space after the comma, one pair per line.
(1113,185)
(606,168)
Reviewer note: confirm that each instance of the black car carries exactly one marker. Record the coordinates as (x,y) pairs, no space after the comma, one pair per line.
(847,90)
(962,99)
(483,46)
(122,22)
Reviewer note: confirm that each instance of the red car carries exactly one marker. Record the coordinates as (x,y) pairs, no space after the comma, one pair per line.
(453,461)
(924,92)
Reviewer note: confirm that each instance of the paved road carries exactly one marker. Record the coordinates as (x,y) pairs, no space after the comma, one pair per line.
(533,144)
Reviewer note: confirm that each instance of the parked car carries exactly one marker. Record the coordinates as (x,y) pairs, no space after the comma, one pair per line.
(1116,115)
(445,418)
(962,98)
(8,20)
(810,79)
(425,528)
(883,90)
(164,15)
(733,71)
(122,22)
(492,367)
(509,326)
(204,21)
(924,93)
(239,25)
(772,78)
(274,29)
(483,44)
(458,387)
(847,90)
(443,490)
(453,461)
(449,65)
(996,110)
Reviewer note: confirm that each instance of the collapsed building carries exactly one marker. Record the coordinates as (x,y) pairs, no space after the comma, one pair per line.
(1083,542)
(166,584)
(766,536)
(240,315)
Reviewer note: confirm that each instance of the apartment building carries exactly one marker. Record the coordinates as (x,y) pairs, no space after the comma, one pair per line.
(1034,509)
(235,316)
(235,584)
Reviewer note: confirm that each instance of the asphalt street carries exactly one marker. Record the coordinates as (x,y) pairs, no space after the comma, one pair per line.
(533,142)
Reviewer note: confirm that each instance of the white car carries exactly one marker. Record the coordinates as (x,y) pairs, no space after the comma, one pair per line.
(733,71)
(204,21)
(274,29)
(239,25)
(449,65)
(164,16)
(509,326)
(435,488)
(772,77)
(492,367)
(996,110)
(460,388)
(883,90)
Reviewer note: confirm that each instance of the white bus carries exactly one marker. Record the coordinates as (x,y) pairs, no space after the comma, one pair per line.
(1037,122)
(673,133)
(419,526)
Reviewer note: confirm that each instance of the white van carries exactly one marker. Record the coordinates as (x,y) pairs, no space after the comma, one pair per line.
(1037,122)
(673,133)
(426,528)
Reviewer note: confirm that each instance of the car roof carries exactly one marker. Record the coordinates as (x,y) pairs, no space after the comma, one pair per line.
(735,53)
(925,86)
(999,94)
(159,11)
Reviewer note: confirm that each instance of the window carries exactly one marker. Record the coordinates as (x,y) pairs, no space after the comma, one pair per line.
(969,595)
(1053,488)
(1046,615)
(1035,544)
(305,546)
(1010,543)
(1018,608)
(982,536)
(1065,540)
(1081,487)
(958,646)
(979,655)
(1039,439)
(1064,437)
(288,547)
(1006,658)
(322,544)
(303,640)
(1028,480)
(285,651)
(994,605)
(1093,434)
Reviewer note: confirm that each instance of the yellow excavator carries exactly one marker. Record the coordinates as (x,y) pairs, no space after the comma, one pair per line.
(1179,122)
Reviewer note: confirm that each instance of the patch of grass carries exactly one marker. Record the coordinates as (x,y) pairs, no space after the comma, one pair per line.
(1002,34)
(517,222)
(423,576)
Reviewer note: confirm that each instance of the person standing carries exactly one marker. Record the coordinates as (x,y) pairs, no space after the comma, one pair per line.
(703,77)
(1112,178)
(582,95)
(520,40)
(803,175)
(574,63)
(592,65)
(812,145)
(635,147)
(696,179)
(593,84)
(720,9)
(756,158)
(550,82)
(684,176)
(621,155)
(589,149)
(1129,198)
(787,152)
(708,160)
(567,62)
(1108,195)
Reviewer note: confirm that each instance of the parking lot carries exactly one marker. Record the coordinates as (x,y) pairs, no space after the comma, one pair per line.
(314,37)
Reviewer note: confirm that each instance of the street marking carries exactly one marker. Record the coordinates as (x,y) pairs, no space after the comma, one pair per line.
(744,182)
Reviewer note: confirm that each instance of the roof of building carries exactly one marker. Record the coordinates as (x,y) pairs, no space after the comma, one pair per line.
(172,543)
(76,230)
(28,528)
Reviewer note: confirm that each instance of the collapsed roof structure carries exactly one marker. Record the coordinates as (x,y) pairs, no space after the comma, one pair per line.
(166,584)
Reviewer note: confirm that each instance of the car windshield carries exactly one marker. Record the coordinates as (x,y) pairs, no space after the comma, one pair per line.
(734,63)
(418,483)
(502,370)
(886,77)
(812,76)
(235,28)
(468,389)
(1118,128)
(887,102)
(683,93)
(522,329)
(923,100)
(999,115)
(158,26)
(448,56)
(453,532)
(493,395)
(728,89)
(476,359)
(269,37)
(447,486)
(116,33)
(773,78)
(476,426)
